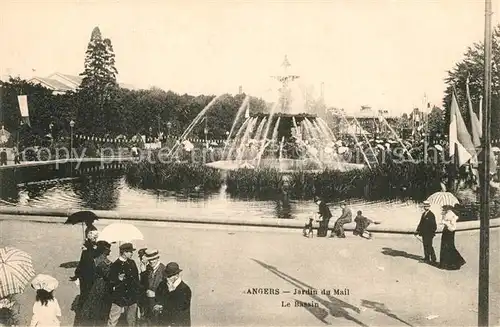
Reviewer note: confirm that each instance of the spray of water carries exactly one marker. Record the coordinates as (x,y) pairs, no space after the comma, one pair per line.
(243,107)
(263,145)
(191,126)
(396,135)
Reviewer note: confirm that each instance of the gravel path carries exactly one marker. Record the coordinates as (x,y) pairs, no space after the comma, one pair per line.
(382,281)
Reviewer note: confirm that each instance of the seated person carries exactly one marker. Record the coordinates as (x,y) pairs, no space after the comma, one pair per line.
(362,224)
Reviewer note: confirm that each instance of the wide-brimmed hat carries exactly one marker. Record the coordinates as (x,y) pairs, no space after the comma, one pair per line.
(152,254)
(172,269)
(142,252)
(127,247)
(103,245)
(44,282)
(426,204)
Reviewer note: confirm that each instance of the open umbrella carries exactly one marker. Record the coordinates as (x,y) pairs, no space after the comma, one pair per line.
(87,217)
(443,198)
(83,217)
(120,232)
(16,271)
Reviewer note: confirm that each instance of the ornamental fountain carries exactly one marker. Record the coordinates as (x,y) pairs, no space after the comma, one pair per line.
(281,139)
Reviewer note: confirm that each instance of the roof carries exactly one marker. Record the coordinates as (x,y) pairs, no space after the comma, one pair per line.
(75,79)
(52,84)
(65,82)
(362,115)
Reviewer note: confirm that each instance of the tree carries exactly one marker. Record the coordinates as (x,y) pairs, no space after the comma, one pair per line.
(435,122)
(44,108)
(96,112)
(473,66)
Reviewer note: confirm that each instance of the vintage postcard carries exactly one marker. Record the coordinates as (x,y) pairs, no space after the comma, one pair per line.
(249,163)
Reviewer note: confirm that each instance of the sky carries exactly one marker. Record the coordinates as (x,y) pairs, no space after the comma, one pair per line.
(384,54)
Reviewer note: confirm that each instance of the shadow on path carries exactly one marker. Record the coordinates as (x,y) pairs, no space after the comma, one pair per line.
(398,253)
(336,307)
(69,265)
(380,307)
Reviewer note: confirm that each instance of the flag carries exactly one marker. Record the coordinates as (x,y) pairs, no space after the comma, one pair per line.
(23,107)
(481,111)
(475,125)
(461,145)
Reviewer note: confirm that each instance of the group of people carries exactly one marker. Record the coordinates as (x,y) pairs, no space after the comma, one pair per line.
(151,294)
(325,215)
(449,257)
(3,157)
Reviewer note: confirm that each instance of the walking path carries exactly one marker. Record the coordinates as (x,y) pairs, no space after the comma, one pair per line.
(400,220)
(386,284)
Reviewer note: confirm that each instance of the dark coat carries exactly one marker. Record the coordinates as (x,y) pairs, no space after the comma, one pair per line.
(362,224)
(85,271)
(143,279)
(427,225)
(324,211)
(176,305)
(95,310)
(155,277)
(125,292)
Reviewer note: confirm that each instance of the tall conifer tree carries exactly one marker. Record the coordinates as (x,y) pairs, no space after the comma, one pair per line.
(98,87)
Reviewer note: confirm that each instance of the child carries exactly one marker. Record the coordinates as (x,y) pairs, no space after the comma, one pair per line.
(46,309)
(308,228)
(362,224)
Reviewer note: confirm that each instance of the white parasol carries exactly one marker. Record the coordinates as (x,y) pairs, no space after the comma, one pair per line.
(120,232)
(443,198)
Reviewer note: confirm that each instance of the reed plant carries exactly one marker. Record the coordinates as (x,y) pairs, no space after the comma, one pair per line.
(390,181)
(173,176)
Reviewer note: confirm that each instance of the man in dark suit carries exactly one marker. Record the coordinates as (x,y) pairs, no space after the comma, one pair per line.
(155,275)
(427,229)
(173,298)
(124,280)
(324,215)
(143,281)
(3,157)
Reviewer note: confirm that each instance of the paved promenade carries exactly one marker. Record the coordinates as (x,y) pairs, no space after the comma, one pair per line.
(386,284)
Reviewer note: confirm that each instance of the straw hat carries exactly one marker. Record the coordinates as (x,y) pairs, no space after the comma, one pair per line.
(44,282)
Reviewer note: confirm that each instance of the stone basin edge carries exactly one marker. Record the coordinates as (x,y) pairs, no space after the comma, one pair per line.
(59,215)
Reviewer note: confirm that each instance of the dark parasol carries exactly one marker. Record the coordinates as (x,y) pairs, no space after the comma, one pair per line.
(84,217)
(87,217)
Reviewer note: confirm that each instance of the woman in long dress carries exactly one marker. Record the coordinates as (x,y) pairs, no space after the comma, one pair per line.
(95,310)
(450,258)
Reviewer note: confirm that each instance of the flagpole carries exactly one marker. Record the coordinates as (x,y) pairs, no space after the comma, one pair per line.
(483,284)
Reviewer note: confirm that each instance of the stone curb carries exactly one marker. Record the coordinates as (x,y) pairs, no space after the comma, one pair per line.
(25,164)
(56,215)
